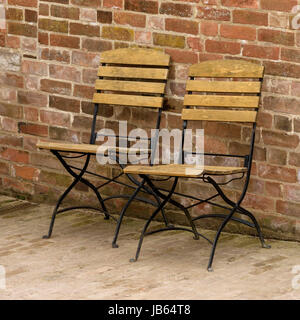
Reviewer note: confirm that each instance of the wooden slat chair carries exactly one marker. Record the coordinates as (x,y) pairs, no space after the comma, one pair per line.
(211,99)
(131,77)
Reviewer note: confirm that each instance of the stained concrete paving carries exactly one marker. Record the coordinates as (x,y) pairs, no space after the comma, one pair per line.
(78,262)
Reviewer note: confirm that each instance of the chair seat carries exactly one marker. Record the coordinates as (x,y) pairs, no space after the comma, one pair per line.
(88,148)
(182,170)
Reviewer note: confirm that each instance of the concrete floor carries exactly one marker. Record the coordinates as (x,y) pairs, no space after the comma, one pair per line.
(78,262)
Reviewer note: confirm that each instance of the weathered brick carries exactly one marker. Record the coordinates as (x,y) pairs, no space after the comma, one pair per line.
(104,16)
(117,33)
(240,3)
(182,56)
(209,13)
(53,86)
(222,47)
(43,38)
(277,156)
(65,104)
(262,52)
(280,139)
(84,91)
(85,59)
(209,28)
(282,5)
(64,41)
(11,110)
(113,4)
(14,14)
(53,25)
(55,118)
(282,123)
(65,12)
(141,6)
(22,29)
(168,40)
(282,104)
(277,173)
(33,129)
(31,114)
(64,134)
(64,73)
(33,98)
(55,54)
(23,3)
(176,9)
(275,36)
(132,19)
(273,189)
(87,3)
(290,54)
(30,15)
(288,208)
(84,29)
(250,17)
(25,172)
(182,26)
(34,67)
(237,32)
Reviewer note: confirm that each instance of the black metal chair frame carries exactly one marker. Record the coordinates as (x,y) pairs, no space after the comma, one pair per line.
(232,206)
(78,175)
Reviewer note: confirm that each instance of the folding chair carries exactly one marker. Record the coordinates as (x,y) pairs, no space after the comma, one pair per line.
(213,94)
(132,77)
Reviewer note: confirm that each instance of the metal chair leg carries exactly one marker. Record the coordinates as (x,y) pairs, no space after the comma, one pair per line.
(114,243)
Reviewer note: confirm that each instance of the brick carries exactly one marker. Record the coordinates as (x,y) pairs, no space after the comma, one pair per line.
(290,54)
(106,111)
(282,123)
(8,94)
(22,29)
(55,54)
(85,59)
(237,32)
(243,149)
(250,17)
(182,26)
(144,37)
(34,67)
(209,28)
(278,173)
(261,52)
(13,42)
(222,47)
(259,203)
(288,208)
(31,114)
(29,44)
(274,85)
(14,155)
(117,4)
(84,91)
(18,186)
(55,179)
(264,120)
(64,134)
(209,13)
(53,86)
(96,45)
(87,3)
(4,168)
(294,159)
(13,80)
(182,56)
(64,73)
(9,124)
(64,41)
(295,89)
(10,110)
(240,3)
(14,14)
(64,104)
(25,172)
(23,3)
(282,5)
(88,15)
(277,37)
(141,6)
(155,23)
(176,9)
(277,156)
(132,19)
(53,25)
(117,33)
(30,15)
(43,38)
(32,98)
(55,118)
(104,16)
(195,43)
(84,29)
(168,40)
(282,69)
(280,139)
(33,129)
(44,9)
(65,12)
(273,189)
(282,104)
(296,125)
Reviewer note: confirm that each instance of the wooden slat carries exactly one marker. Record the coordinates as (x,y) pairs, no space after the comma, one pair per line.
(128,100)
(130,86)
(219,115)
(181,170)
(221,101)
(134,73)
(226,69)
(223,86)
(87,148)
(136,56)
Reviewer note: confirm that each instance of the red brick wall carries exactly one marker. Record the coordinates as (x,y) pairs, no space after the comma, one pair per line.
(49,54)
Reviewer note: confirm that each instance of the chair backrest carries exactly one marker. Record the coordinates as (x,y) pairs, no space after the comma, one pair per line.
(134,77)
(224,90)
(223,100)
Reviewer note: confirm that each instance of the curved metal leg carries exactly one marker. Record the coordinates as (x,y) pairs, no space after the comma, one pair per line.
(163,203)
(114,243)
